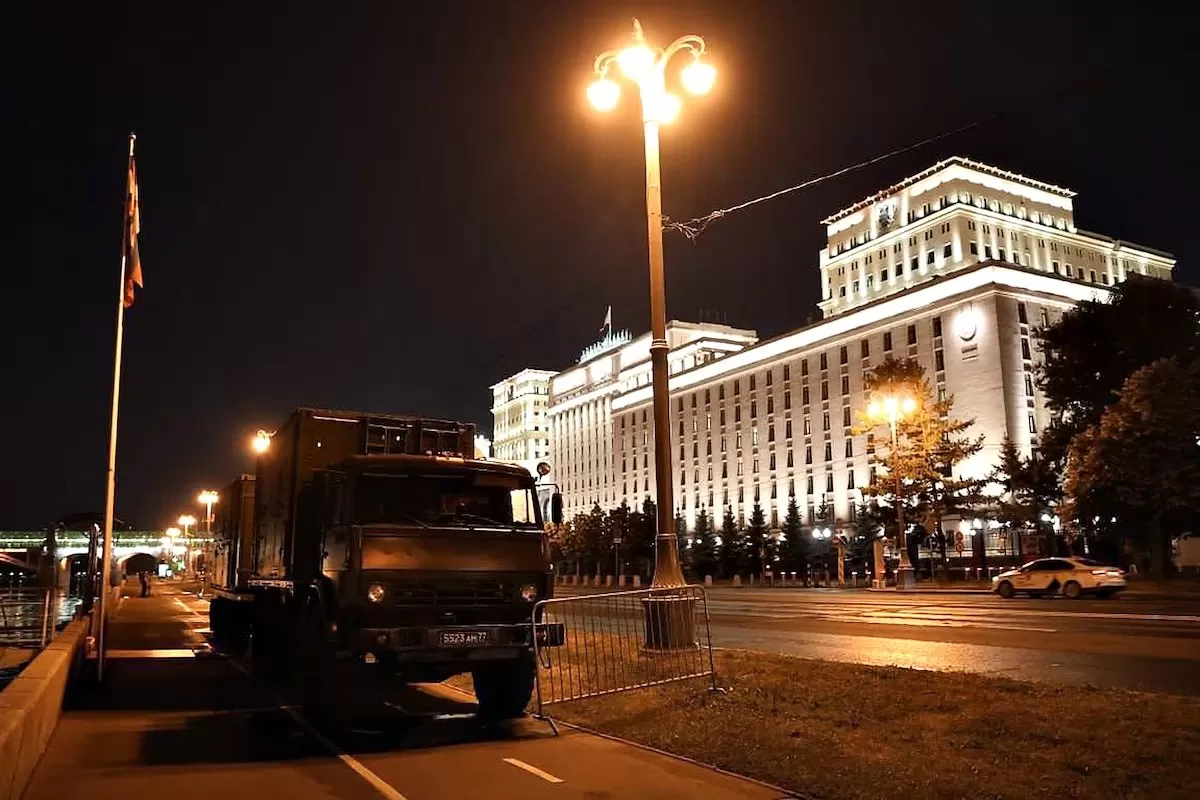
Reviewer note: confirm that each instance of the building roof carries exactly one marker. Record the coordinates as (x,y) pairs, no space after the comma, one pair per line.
(938,167)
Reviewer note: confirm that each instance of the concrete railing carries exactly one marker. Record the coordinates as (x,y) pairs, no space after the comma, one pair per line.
(30,707)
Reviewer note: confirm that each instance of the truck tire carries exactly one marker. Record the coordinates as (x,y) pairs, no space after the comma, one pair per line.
(268,638)
(315,681)
(503,688)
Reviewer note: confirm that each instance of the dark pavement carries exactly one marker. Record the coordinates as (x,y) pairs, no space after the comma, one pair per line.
(174,720)
(1133,643)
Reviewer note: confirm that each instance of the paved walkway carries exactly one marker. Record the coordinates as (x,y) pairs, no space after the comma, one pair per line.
(172,723)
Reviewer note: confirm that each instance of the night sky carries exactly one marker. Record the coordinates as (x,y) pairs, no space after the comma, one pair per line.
(391,205)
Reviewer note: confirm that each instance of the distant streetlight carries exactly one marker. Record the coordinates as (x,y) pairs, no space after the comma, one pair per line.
(646,67)
(892,409)
(261,441)
(207,498)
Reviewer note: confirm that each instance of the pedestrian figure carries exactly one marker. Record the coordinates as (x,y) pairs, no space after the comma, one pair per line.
(145,582)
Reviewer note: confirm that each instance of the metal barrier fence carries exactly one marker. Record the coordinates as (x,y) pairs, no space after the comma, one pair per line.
(619,641)
(27,616)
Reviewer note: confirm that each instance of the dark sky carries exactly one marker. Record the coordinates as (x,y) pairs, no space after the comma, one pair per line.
(391,205)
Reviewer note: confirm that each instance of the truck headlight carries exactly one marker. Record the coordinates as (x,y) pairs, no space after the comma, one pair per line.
(529,593)
(375,593)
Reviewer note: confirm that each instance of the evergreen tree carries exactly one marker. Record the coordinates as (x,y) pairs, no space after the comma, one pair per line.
(704,549)
(756,542)
(643,535)
(681,541)
(795,543)
(729,553)
(620,526)
(1029,492)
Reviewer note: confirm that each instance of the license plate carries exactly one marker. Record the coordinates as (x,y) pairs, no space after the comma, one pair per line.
(464,638)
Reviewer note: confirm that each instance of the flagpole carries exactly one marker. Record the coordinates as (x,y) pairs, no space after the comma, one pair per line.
(111,488)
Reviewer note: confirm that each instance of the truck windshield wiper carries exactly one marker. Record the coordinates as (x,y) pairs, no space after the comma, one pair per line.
(406,518)
(479,518)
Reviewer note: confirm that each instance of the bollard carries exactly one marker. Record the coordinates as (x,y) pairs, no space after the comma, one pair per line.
(608,580)
(737,580)
(708,580)
(637,581)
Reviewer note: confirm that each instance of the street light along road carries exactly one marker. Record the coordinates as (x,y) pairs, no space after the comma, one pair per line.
(646,67)
(892,410)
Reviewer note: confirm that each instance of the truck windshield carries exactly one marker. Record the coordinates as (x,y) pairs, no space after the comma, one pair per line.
(469,500)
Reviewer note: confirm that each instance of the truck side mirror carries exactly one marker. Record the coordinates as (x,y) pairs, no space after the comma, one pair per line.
(556,508)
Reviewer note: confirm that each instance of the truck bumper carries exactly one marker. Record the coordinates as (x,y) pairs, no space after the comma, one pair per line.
(470,641)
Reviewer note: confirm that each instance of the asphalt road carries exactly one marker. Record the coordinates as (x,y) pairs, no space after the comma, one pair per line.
(175,721)
(1142,644)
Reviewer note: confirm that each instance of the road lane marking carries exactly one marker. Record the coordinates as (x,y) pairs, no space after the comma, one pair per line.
(378,783)
(532,770)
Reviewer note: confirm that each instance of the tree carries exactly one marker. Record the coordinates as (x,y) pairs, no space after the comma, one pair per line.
(930,442)
(704,557)
(644,528)
(794,544)
(681,542)
(620,526)
(729,553)
(1091,352)
(1028,493)
(1144,453)
(755,542)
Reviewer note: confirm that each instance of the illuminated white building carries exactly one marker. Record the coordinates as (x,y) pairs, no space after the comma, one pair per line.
(582,435)
(955,267)
(520,425)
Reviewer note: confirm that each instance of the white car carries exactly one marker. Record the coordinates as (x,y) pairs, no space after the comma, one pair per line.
(1070,577)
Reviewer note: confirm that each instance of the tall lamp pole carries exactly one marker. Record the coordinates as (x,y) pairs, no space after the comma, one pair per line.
(892,409)
(646,67)
(207,499)
(186,522)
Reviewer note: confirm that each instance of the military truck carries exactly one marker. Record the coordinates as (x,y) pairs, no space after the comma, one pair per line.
(380,545)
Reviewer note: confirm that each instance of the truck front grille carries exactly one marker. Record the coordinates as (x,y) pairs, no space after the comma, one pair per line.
(475,593)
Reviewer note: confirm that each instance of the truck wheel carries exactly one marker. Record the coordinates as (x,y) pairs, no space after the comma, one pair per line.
(267,639)
(316,680)
(218,621)
(503,688)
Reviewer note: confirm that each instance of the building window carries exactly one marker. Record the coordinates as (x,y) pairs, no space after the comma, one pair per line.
(825,418)
(753,409)
(787,430)
(808,454)
(1022,315)
(770,404)
(721,416)
(883,276)
(810,486)
(829,451)
(824,361)
(845,384)
(947,250)
(737,413)
(914,263)
(754,436)
(722,444)
(844,355)
(807,426)
(787,372)
(1032,424)
(974,248)
(865,349)
(828,481)
(846,416)
(752,383)
(1028,385)
(887,342)
(721,392)
(739,467)
(787,399)
(804,368)
(824,390)
(850,450)
(770,433)
(738,441)
(737,388)
(937,327)
(939,360)
(929,256)
(770,377)
(912,334)
(789,459)
(771,462)
(1025,349)
(804,395)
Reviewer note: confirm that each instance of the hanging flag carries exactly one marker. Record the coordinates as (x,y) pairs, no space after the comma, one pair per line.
(133,226)
(606,328)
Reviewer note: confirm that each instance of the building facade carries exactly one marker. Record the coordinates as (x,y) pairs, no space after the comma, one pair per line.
(955,267)
(520,426)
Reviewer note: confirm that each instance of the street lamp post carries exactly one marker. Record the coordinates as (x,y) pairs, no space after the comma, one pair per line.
(892,409)
(207,499)
(186,521)
(646,67)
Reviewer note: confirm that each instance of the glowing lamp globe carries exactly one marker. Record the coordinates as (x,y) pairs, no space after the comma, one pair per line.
(699,77)
(603,94)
